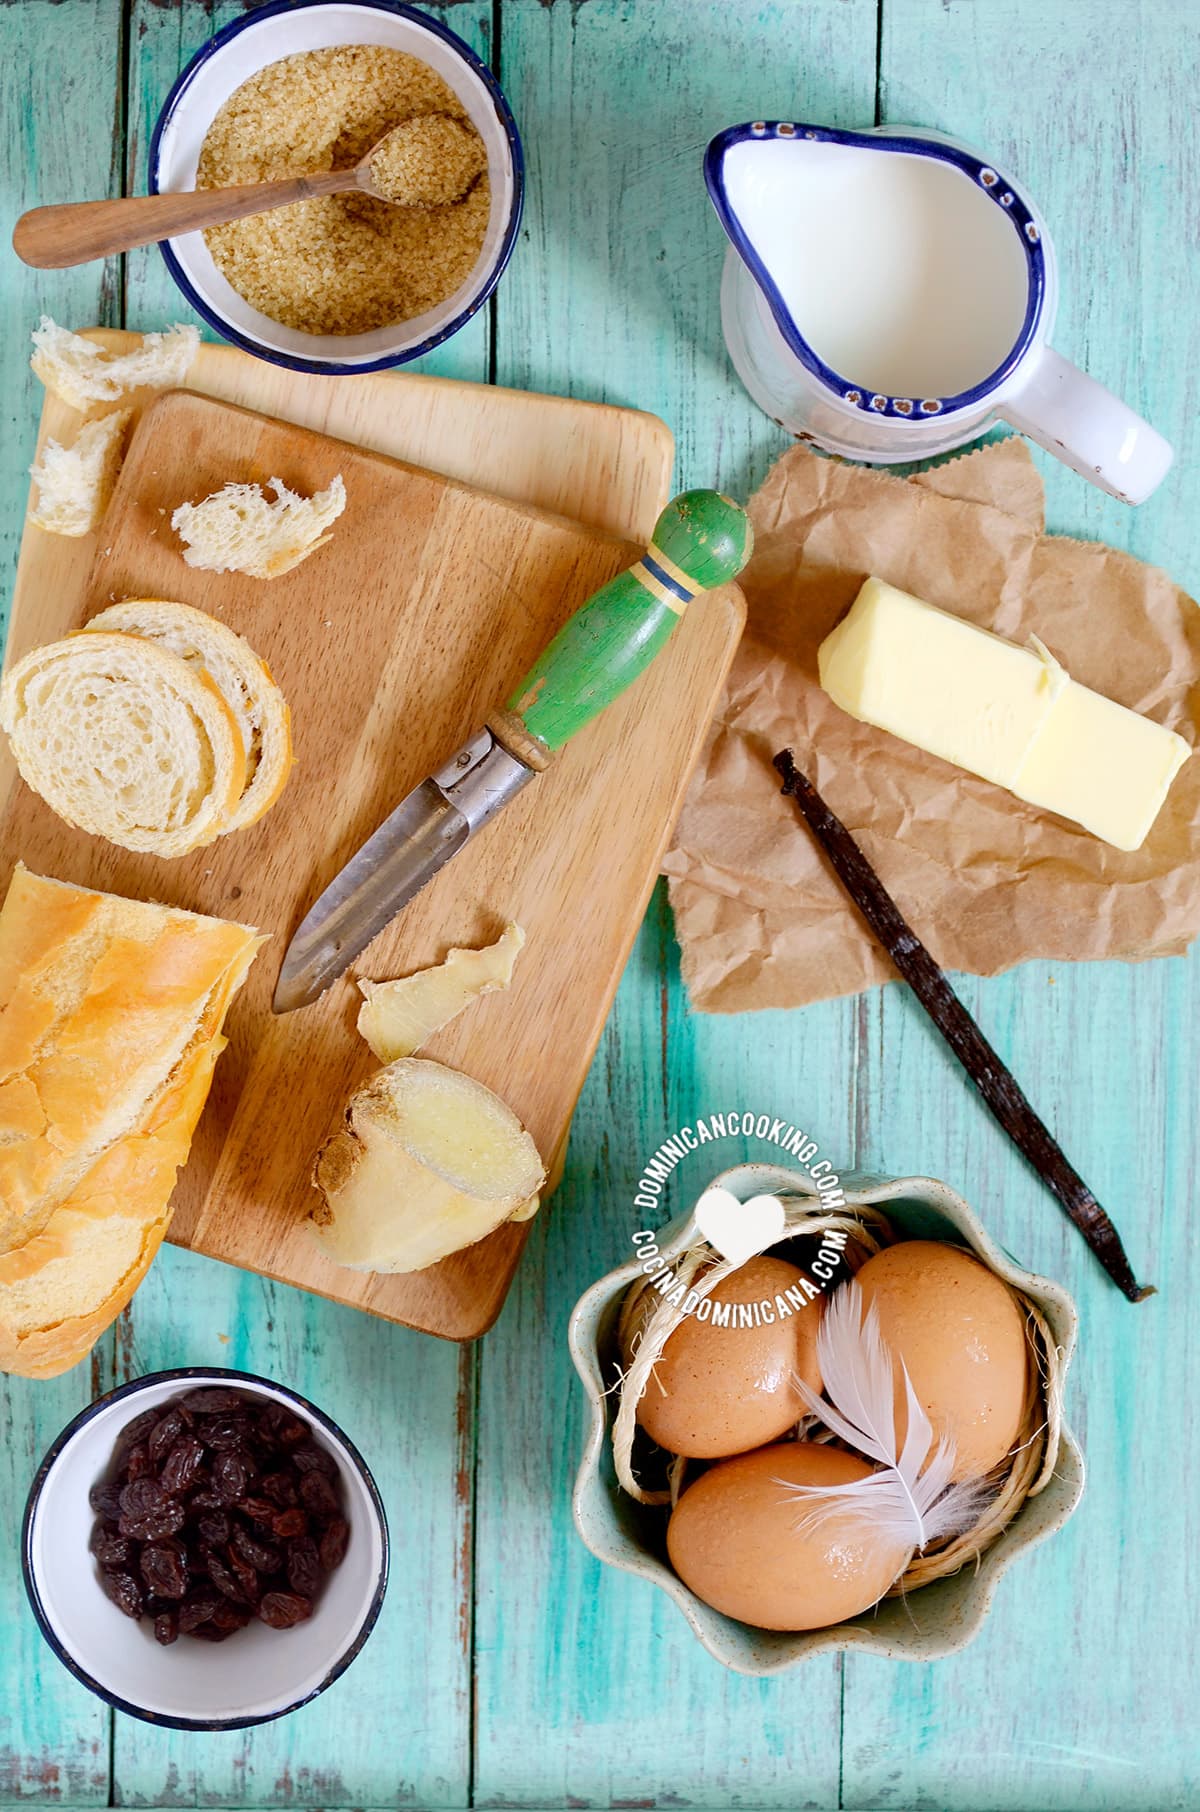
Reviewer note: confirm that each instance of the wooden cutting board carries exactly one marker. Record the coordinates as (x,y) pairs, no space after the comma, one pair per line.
(391,644)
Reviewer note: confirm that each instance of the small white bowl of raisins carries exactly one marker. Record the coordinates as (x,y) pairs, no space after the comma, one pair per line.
(205,1549)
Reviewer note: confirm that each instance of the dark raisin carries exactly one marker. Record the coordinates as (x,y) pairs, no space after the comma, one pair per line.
(137,1464)
(256,1554)
(166,1628)
(204,1499)
(334,1542)
(212,1632)
(280,1610)
(258,1509)
(318,1496)
(164,1434)
(137,1430)
(223,1576)
(212,1400)
(303,1567)
(223,1432)
(279,1427)
(246,1576)
(231,1475)
(280,1487)
(147,1513)
(231,1617)
(182,1466)
(164,1568)
(124,1591)
(214,1528)
(287,1524)
(197,1608)
(311,1458)
(105,1499)
(110,1547)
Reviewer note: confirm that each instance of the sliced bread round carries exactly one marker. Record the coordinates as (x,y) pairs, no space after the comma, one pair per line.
(124,739)
(244,678)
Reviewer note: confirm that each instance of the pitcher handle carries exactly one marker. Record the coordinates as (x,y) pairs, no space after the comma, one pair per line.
(1089,429)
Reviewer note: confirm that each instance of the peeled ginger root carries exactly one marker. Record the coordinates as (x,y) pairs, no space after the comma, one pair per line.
(397,1017)
(429,1161)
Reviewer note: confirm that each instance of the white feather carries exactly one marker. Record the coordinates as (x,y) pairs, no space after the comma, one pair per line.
(910,1499)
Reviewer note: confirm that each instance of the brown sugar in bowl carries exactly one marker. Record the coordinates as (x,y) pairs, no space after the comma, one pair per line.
(287,28)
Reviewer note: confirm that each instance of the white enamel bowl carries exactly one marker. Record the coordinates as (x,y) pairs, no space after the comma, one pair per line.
(283,28)
(932,1622)
(259,1673)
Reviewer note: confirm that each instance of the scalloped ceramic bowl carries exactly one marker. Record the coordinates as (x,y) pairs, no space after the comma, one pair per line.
(934,1621)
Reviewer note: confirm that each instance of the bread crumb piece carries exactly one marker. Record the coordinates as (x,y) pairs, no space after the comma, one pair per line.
(239,530)
(75,483)
(81,372)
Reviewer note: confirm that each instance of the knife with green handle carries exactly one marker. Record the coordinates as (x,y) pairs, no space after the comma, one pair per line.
(700,541)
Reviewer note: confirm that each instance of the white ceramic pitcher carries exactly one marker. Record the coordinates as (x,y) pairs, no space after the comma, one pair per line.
(890,295)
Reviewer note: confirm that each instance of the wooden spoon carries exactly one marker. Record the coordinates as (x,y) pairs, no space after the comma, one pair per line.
(76,231)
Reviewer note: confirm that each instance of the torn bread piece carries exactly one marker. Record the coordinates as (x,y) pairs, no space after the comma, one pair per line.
(75,483)
(244,679)
(82,372)
(239,530)
(428,1162)
(397,1017)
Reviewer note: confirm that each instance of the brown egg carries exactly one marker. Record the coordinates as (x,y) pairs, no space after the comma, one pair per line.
(721,1390)
(961,1333)
(733,1538)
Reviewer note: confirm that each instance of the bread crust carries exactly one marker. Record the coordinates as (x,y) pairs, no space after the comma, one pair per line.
(101,997)
(104,1003)
(132,1182)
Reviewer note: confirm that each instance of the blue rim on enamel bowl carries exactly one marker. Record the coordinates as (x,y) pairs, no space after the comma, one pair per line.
(328,367)
(1001,188)
(187,1374)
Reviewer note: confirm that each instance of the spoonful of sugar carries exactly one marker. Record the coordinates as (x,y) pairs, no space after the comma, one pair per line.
(425,162)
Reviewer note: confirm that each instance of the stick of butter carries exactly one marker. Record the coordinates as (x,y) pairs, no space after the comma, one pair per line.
(1011,715)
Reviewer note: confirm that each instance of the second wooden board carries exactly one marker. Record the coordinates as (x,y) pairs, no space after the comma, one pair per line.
(391,644)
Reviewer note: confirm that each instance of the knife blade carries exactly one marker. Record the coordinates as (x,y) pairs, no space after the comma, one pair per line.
(701,540)
(430,825)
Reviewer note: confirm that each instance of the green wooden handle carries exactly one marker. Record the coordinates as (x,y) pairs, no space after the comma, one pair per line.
(701,540)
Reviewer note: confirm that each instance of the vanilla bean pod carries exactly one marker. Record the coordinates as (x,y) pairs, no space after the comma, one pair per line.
(993,1080)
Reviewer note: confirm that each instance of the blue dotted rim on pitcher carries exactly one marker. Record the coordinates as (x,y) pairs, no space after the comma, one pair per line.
(387,361)
(1003,192)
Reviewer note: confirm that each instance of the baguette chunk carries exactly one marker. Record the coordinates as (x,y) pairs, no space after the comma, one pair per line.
(110,1024)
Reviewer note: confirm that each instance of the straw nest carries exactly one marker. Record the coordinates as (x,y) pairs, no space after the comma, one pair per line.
(1027,1470)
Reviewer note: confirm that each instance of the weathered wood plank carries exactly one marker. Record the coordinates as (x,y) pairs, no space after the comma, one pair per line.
(396,1729)
(59,136)
(1077,1692)
(590,1688)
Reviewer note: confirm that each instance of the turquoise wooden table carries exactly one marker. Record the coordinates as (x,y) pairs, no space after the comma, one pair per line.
(508,1669)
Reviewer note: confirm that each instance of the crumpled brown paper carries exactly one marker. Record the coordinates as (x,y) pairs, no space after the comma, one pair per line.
(985,880)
